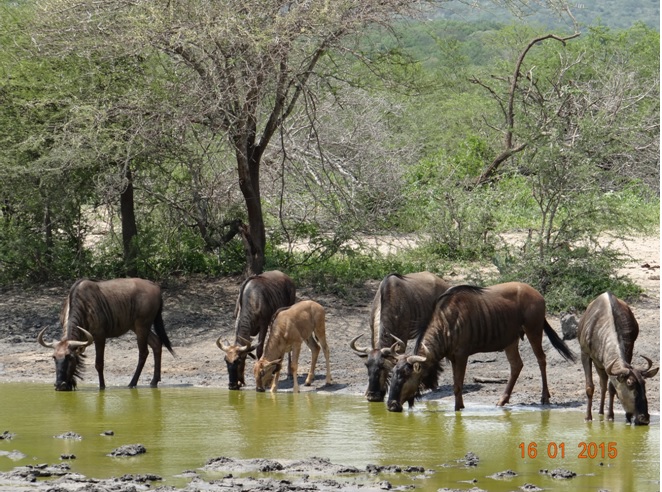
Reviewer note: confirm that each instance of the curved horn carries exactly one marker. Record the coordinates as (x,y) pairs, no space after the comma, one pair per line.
(650,363)
(40,339)
(245,348)
(88,342)
(609,367)
(220,345)
(610,372)
(416,358)
(399,342)
(360,350)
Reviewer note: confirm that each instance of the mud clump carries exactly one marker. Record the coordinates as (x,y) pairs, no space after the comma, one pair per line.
(128,450)
(559,473)
(69,435)
(504,475)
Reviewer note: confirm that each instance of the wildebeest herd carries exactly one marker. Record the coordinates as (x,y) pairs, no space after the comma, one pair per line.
(451,322)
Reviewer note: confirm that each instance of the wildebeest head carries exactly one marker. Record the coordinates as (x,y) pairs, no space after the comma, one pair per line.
(68,356)
(380,363)
(235,359)
(264,372)
(406,381)
(630,387)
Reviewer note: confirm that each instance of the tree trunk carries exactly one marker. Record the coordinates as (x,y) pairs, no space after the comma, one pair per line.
(129,229)
(254,236)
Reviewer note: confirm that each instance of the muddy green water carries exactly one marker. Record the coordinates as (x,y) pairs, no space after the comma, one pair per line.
(182,427)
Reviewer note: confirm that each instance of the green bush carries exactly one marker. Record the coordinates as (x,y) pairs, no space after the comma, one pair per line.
(570,280)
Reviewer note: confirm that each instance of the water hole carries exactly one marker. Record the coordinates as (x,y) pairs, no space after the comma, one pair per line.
(183,427)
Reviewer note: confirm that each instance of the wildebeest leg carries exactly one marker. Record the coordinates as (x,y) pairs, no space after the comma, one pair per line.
(274,383)
(515,361)
(143,352)
(289,365)
(459,368)
(610,410)
(315,351)
(296,350)
(321,338)
(100,347)
(157,349)
(535,341)
(604,381)
(590,387)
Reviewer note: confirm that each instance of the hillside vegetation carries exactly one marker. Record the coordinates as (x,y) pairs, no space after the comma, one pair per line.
(128,149)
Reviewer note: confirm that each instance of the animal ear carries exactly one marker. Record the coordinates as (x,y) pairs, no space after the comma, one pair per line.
(650,373)
(417,367)
(79,350)
(275,363)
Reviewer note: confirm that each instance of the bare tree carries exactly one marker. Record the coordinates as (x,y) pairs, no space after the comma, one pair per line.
(244,65)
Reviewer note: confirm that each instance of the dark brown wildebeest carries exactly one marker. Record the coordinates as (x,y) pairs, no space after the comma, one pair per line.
(606,333)
(290,327)
(401,309)
(260,296)
(469,320)
(95,311)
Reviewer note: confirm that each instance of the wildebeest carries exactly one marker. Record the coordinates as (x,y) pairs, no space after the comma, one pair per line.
(468,320)
(606,333)
(95,311)
(400,310)
(260,296)
(290,327)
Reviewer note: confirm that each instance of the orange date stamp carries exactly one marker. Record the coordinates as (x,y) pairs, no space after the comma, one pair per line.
(553,450)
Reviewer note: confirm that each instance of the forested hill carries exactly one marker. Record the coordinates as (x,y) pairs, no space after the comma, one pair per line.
(611,13)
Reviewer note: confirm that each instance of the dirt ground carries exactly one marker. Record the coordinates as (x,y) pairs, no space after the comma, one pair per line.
(198,310)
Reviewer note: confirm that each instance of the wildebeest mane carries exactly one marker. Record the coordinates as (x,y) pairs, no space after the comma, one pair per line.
(88,307)
(273,294)
(415,306)
(627,328)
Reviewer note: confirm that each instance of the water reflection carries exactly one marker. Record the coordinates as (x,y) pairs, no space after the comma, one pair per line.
(184,427)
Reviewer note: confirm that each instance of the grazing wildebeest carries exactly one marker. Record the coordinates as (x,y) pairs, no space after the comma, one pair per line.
(260,296)
(94,311)
(292,326)
(606,333)
(468,320)
(401,309)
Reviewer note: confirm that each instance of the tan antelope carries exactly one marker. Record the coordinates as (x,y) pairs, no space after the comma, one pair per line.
(290,327)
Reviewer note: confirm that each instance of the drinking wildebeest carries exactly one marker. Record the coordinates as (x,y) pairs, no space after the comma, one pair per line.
(290,327)
(400,310)
(94,311)
(260,296)
(468,320)
(606,333)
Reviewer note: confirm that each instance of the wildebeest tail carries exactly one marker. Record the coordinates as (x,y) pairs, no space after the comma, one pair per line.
(559,344)
(159,327)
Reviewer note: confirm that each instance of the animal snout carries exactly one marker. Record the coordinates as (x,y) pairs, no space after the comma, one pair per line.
(259,389)
(62,386)
(394,406)
(642,419)
(374,396)
(233,385)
